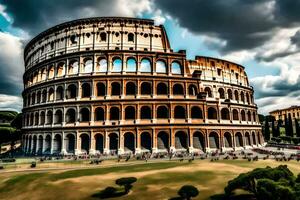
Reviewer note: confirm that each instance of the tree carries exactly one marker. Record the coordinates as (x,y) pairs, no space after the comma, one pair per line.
(286,126)
(274,133)
(267,130)
(5,135)
(297,128)
(188,191)
(126,183)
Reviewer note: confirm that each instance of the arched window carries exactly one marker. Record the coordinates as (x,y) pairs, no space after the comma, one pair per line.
(59,93)
(70,115)
(42,118)
(49,117)
(146,112)
(102,65)
(208,92)
(51,94)
(31,119)
(254,116)
(102,36)
(249,116)
(130,112)
(235,114)
(84,115)
(242,97)
(99,114)
(117,65)
(73,38)
(131,65)
(229,92)
(161,66)
(162,112)
(130,37)
(145,65)
(88,66)
(73,67)
(51,72)
(192,90)
(33,98)
(114,113)
(146,88)
(196,113)
(38,97)
(243,115)
(221,93)
(85,90)
(162,89)
(130,88)
(178,89)
(58,117)
(101,90)
(36,119)
(44,96)
(225,114)
(176,68)
(212,113)
(71,91)
(115,89)
(179,112)
(60,69)
(247,98)
(236,95)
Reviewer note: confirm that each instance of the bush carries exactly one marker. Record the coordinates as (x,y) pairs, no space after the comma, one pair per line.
(188,191)
(126,182)
(33,165)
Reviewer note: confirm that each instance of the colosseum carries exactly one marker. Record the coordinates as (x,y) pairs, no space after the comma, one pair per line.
(113,85)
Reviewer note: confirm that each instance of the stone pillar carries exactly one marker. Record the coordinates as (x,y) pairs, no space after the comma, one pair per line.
(63,144)
(93,144)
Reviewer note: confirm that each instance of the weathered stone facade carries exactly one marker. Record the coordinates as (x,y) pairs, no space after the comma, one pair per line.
(114,85)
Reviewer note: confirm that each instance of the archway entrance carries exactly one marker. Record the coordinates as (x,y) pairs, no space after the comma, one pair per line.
(163,141)
(146,141)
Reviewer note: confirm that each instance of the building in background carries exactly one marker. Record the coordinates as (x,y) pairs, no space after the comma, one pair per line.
(114,85)
(280,114)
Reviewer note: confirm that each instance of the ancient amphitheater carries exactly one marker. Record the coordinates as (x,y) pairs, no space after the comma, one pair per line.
(114,85)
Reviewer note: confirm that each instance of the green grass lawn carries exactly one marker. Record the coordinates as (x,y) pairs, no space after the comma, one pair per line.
(160,180)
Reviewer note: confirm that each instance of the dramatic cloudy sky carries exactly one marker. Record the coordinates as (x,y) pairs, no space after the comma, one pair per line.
(262,35)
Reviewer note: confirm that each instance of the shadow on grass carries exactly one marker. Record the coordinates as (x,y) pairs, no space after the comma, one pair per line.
(234,197)
(109,192)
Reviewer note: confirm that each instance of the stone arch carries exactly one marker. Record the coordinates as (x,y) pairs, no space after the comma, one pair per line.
(99,114)
(212,113)
(115,89)
(47,144)
(161,66)
(85,90)
(249,116)
(247,139)
(101,89)
(196,113)
(193,91)
(113,142)
(71,91)
(181,140)
(101,65)
(162,112)
(73,67)
(145,65)
(163,141)
(176,68)
(34,144)
(179,112)
(59,93)
(178,89)
(130,113)
(146,141)
(236,95)
(238,139)
(58,117)
(235,114)
(229,93)
(228,140)
(51,94)
(243,115)
(198,141)
(131,65)
(208,92)
(162,89)
(129,142)
(114,113)
(40,142)
(57,142)
(49,117)
(146,112)
(130,88)
(84,115)
(117,65)
(70,143)
(85,143)
(221,93)
(253,138)
(146,88)
(87,65)
(214,141)
(71,115)
(225,114)
(99,139)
